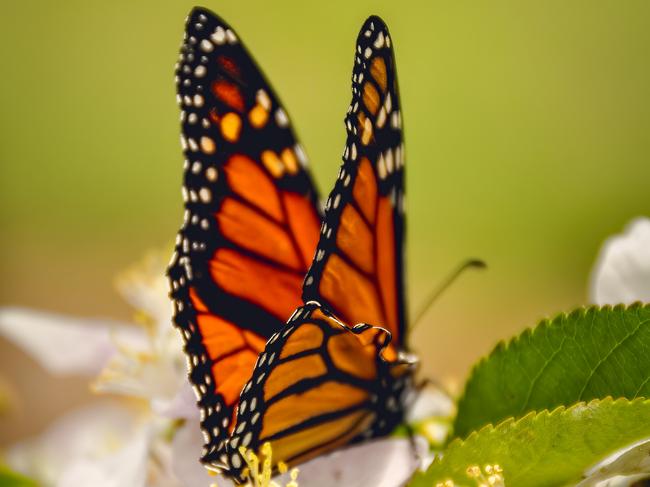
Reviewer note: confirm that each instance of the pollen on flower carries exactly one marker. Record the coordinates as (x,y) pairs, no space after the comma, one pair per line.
(259,469)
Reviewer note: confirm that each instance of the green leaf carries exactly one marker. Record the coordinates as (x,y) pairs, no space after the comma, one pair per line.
(547,448)
(12,479)
(591,353)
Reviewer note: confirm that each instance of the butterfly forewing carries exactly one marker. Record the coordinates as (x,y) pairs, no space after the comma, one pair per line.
(324,381)
(358,269)
(251,219)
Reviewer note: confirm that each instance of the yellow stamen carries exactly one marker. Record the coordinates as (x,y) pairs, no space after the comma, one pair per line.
(259,469)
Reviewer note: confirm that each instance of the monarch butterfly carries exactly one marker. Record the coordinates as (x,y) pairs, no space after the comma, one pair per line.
(255,250)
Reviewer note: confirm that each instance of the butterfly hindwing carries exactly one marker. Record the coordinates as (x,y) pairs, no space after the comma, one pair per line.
(317,386)
(251,219)
(358,270)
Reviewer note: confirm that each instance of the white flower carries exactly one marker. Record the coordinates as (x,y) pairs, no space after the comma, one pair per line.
(46,335)
(153,368)
(388,462)
(623,468)
(154,439)
(385,462)
(125,443)
(622,270)
(142,359)
(186,451)
(104,445)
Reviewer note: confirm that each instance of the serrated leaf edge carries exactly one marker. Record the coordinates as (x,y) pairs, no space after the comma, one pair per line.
(533,416)
(503,345)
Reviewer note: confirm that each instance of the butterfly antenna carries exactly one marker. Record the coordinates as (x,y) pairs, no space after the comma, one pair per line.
(433,297)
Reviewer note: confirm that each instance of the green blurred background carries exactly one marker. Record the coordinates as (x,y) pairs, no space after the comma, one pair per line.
(527,134)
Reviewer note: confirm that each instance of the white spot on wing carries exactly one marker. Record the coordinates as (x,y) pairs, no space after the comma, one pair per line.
(206,45)
(263,99)
(281,117)
(231,37)
(300,154)
(337,200)
(353,152)
(219,35)
(205,195)
(381,167)
(379,41)
(211,174)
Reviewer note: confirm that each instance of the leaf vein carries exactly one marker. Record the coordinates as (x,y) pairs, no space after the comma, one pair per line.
(539,374)
(609,354)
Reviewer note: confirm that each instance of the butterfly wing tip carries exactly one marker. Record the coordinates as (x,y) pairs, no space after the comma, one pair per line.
(373,30)
(374,23)
(200,15)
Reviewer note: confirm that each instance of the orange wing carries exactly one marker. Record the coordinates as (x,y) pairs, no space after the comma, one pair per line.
(251,219)
(322,383)
(358,270)
(319,385)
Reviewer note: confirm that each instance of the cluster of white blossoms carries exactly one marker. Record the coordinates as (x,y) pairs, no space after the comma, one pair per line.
(143,430)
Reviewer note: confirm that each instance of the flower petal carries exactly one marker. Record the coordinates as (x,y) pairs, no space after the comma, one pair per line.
(151,377)
(144,286)
(622,270)
(126,466)
(182,405)
(92,432)
(428,403)
(62,344)
(388,462)
(186,451)
(623,467)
